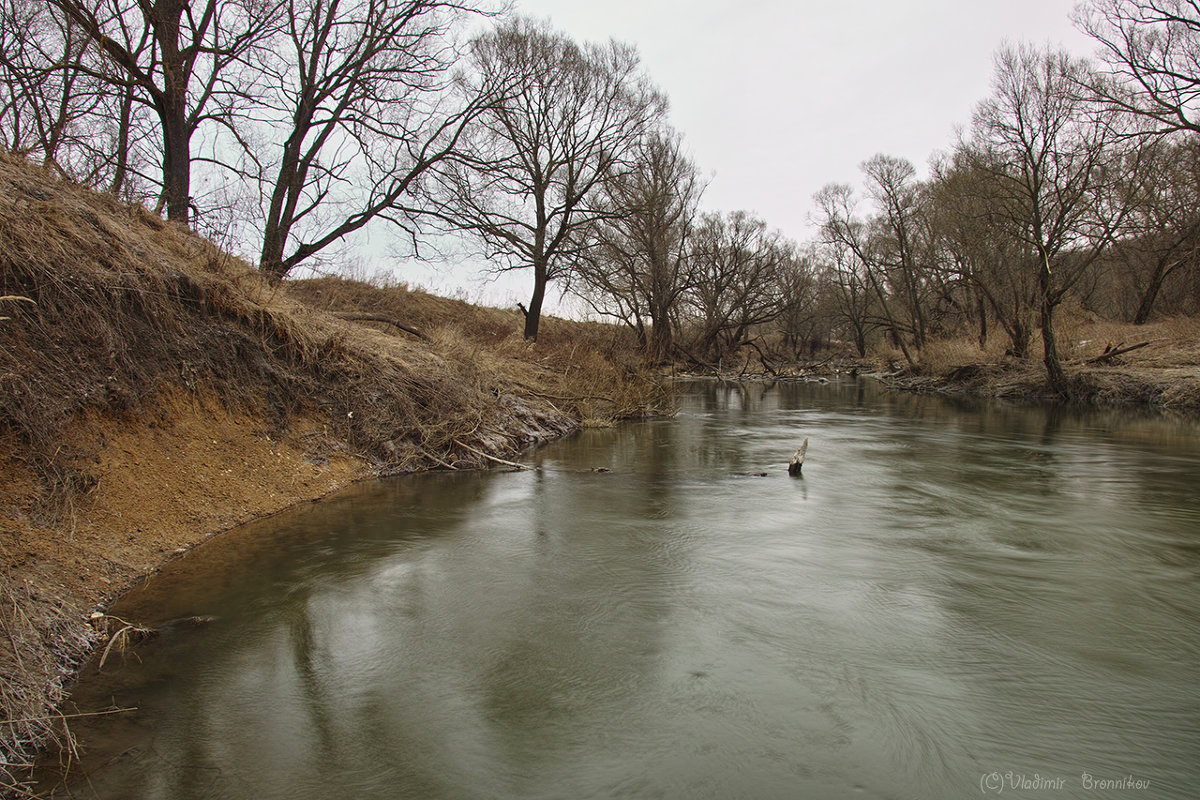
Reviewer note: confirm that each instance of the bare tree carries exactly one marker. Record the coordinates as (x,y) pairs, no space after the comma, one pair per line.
(1151,49)
(901,241)
(799,301)
(53,107)
(737,263)
(1162,237)
(638,268)
(541,157)
(41,99)
(1000,269)
(1054,164)
(871,242)
(362,89)
(177,59)
(848,292)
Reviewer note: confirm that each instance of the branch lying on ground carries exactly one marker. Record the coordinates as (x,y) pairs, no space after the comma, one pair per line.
(762,358)
(358,316)
(1117,351)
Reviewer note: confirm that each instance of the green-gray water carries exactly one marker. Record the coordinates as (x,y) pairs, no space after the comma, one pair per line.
(954,600)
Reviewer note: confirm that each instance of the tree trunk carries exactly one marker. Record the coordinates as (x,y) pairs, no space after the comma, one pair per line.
(1054,371)
(1146,306)
(270,263)
(661,339)
(124,125)
(983,325)
(893,327)
(176,167)
(533,316)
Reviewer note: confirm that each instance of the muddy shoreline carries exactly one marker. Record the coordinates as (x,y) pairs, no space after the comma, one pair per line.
(179,473)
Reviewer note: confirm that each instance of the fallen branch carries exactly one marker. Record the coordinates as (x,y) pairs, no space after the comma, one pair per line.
(1117,351)
(58,717)
(797,463)
(362,316)
(762,358)
(122,639)
(698,362)
(493,458)
(574,399)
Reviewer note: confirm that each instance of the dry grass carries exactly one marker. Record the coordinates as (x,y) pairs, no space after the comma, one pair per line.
(125,306)
(1163,370)
(30,685)
(591,372)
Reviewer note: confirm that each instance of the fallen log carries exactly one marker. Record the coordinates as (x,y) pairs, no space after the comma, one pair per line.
(482,454)
(362,316)
(1118,351)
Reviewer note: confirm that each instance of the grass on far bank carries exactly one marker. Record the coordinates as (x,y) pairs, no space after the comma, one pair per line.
(1162,369)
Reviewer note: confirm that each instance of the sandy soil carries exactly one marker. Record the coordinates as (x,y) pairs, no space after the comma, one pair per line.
(164,482)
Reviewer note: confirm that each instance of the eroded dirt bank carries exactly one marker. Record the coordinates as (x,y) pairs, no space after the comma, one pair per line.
(165,479)
(155,391)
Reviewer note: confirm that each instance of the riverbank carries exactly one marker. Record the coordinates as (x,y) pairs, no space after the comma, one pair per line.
(1106,363)
(154,391)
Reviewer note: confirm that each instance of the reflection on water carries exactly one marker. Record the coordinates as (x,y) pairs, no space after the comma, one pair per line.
(953,591)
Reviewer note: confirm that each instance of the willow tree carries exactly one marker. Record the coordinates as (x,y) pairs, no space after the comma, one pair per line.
(997,268)
(530,180)
(1162,240)
(637,268)
(737,262)
(873,243)
(1150,51)
(1054,162)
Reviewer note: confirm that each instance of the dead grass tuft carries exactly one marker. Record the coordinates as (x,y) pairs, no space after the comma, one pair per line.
(31,687)
(940,356)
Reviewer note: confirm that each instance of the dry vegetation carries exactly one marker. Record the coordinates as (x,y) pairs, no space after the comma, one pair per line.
(1106,362)
(154,390)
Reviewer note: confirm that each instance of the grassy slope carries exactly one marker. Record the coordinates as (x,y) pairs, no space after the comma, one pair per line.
(153,391)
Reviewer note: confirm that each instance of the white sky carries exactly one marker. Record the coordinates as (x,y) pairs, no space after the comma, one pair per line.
(777,98)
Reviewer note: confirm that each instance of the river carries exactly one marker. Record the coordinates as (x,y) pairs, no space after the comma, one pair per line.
(956,599)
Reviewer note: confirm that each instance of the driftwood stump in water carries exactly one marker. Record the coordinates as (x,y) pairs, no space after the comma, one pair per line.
(797,463)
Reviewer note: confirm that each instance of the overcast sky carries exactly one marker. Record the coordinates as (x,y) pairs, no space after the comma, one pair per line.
(777,98)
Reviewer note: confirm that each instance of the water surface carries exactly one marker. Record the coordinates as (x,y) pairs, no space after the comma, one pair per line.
(955,597)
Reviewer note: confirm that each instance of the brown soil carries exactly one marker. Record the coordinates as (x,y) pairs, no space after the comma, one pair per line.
(166,480)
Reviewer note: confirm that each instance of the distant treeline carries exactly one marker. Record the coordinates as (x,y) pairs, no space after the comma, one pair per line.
(282,128)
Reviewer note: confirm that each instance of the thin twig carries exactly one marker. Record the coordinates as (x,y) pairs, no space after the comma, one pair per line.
(513,464)
(568,399)
(68,716)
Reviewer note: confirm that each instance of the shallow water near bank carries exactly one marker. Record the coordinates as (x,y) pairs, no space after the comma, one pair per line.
(955,598)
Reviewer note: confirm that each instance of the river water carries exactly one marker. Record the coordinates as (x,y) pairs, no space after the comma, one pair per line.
(956,599)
